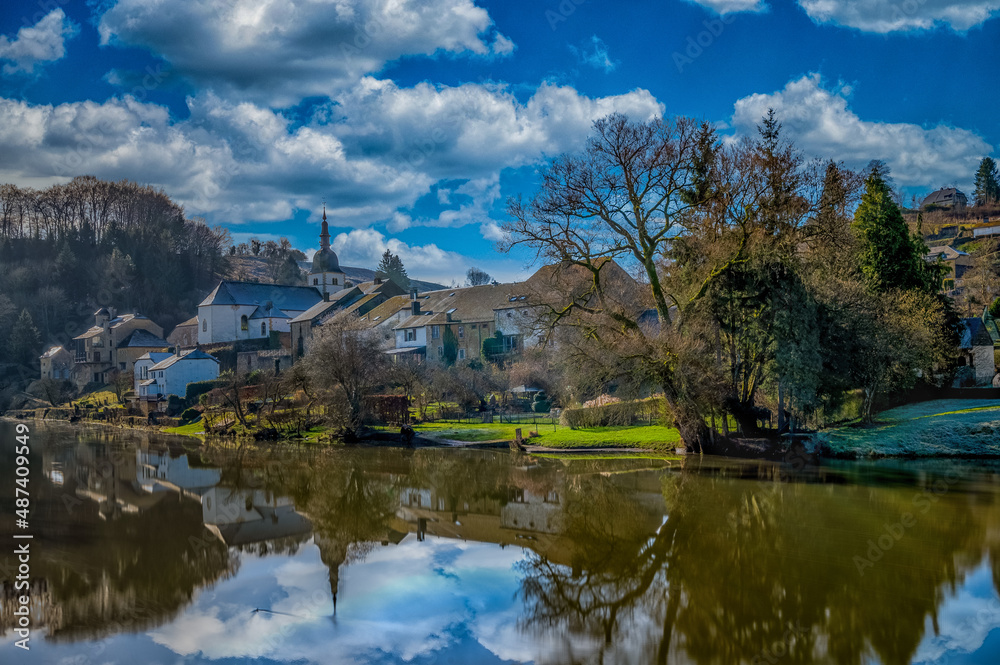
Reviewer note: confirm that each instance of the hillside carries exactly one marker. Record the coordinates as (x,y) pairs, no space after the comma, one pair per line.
(256,268)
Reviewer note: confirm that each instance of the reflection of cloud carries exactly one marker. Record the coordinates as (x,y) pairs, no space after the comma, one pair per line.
(416,600)
(964,620)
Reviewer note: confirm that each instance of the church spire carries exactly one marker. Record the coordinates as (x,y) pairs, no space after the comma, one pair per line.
(324,236)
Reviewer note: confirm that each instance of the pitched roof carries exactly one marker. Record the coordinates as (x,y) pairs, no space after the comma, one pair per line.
(323,306)
(946,253)
(389,308)
(944,196)
(470,304)
(974,334)
(193,321)
(55,350)
(193,354)
(288,298)
(268,311)
(155,356)
(142,338)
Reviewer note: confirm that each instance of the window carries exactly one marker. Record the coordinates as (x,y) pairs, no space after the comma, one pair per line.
(97,356)
(315,281)
(244,324)
(461,354)
(440,352)
(411,334)
(204,325)
(333,281)
(461,332)
(263,328)
(144,373)
(121,366)
(435,332)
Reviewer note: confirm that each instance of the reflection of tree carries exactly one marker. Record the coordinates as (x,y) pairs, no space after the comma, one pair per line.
(739,567)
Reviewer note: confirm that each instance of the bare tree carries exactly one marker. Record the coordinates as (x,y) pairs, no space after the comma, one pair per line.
(346,365)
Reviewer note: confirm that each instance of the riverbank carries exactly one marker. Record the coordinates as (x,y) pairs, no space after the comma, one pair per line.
(937,428)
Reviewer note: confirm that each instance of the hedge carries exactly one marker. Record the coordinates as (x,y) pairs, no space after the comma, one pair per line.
(196,389)
(618,414)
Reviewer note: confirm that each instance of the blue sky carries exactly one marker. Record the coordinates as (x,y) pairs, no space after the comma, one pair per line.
(416,120)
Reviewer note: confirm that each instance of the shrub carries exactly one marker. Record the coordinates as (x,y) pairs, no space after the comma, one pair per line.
(541,403)
(196,389)
(614,414)
(190,415)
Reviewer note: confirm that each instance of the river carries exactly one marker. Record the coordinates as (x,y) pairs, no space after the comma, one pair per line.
(150,549)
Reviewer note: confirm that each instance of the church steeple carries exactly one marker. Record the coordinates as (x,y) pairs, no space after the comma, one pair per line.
(324,236)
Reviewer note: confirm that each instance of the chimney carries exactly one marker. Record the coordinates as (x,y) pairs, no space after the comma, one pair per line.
(447,316)
(413,294)
(415,307)
(326,296)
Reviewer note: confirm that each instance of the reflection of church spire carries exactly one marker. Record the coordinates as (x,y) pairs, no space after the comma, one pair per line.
(332,553)
(324,236)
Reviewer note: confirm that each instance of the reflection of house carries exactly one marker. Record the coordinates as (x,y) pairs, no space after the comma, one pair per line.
(241,517)
(57,363)
(157,377)
(114,343)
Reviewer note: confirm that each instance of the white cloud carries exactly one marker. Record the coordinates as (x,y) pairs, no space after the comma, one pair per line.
(364,247)
(732,6)
(492,231)
(884,16)
(280,51)
(597,58)
(43,42)
(372,156)
(820,123)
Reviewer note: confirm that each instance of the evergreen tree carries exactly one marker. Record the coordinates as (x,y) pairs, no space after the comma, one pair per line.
(24,339)
(889,257)
(393,268)
(987,186)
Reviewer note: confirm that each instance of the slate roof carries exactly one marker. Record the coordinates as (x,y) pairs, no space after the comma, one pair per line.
(268,311)
(53,351)
(323,306)
(947,253)
(155,356)
(294,298)
(193,321)
(975,334)
(193,354)
(142,338)
(92,332)
(946,196)
(471,304)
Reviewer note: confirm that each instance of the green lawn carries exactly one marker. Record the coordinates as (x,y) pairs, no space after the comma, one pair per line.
(191,429)
(654,437)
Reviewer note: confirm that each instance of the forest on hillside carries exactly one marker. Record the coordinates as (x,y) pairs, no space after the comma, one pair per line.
(69,249)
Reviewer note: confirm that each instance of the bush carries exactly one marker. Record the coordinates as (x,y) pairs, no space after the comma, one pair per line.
(196,389)
(617,414)
(174,405)
(190,415)
(541,403)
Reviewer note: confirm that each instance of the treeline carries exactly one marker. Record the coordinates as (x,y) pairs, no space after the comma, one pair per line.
(68,249)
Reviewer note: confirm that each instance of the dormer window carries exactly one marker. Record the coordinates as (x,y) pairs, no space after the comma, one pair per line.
(244,323)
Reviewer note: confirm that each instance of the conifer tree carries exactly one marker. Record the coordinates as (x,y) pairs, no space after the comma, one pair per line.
(24,339)
(393,268)
(987,185)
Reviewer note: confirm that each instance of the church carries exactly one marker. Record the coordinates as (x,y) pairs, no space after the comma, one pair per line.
(250,310)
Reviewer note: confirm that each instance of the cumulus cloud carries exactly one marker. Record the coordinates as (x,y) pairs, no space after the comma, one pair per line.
(373,155)
(732,6)
(596,56)
(821,124)
(43,42)
(883,16)
(364,247)
(279,51)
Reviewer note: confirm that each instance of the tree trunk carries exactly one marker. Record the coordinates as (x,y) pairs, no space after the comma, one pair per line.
(694,432)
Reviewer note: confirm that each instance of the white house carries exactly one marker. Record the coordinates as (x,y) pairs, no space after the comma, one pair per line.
(158,377)
(248,310)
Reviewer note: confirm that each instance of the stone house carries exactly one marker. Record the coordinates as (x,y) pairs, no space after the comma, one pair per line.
(977,349)
(57,363)
(184,335)
(114,343)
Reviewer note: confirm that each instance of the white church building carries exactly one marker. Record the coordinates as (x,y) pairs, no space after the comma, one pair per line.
(250,310)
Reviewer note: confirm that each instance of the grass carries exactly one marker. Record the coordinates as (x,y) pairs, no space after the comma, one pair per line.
(936,428)
(191,429)
(107,397)
(654,437)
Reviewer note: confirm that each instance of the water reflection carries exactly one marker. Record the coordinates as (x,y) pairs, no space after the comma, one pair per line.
(384,555)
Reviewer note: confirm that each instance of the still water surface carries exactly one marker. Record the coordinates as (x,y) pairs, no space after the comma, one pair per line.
(146,552)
